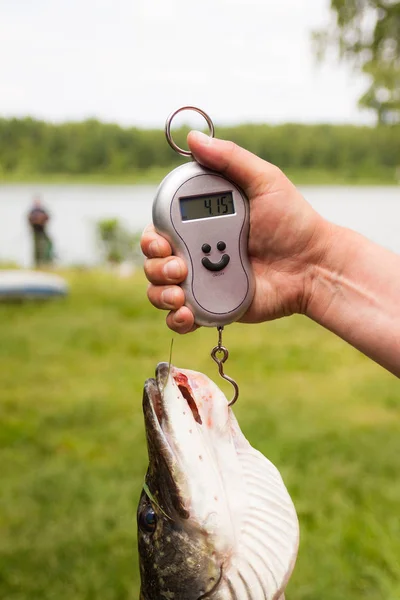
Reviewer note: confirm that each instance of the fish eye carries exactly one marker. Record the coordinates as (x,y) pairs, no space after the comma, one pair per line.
(148,520)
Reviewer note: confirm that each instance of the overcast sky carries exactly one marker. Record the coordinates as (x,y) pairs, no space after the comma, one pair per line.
(134,61)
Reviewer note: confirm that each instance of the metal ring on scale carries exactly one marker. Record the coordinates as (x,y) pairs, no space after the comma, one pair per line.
(168,128)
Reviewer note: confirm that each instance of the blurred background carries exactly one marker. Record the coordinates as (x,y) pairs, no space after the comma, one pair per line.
(85,88)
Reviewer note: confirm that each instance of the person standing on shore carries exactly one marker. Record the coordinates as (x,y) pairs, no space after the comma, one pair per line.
(42,246)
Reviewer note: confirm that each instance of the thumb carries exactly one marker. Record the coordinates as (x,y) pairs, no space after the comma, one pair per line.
(236,163)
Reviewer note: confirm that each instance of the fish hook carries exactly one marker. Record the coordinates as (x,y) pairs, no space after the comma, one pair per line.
(220,362)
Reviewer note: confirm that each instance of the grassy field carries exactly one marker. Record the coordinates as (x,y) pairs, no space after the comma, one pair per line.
(73,453)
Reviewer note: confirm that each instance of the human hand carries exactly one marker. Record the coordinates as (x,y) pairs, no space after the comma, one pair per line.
(287,239)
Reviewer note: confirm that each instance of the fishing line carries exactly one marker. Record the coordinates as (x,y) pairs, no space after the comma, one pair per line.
(169,366)
(170,355)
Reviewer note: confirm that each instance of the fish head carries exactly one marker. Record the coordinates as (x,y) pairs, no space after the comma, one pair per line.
(176,559)
(193,509)
(176,541)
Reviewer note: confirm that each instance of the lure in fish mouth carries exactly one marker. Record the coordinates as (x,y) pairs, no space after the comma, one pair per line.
(214,518)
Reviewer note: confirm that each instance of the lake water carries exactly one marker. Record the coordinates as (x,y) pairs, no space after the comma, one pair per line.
(75,209)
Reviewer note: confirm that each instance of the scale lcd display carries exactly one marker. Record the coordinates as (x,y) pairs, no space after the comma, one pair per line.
(210,205)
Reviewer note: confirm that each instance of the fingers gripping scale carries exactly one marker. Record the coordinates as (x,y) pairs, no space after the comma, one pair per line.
(205,218)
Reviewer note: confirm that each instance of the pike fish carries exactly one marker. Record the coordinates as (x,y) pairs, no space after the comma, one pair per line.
(215,519)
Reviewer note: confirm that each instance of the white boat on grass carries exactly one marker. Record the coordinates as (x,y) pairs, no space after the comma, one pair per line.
(30,285)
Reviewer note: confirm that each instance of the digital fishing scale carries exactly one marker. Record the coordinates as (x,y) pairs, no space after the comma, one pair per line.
(205,217)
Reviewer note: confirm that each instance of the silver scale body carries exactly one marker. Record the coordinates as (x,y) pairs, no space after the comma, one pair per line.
(221,292)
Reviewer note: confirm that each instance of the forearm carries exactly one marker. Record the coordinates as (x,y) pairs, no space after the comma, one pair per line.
(355,293)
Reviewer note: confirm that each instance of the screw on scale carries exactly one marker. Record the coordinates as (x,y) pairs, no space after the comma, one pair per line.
(220,349)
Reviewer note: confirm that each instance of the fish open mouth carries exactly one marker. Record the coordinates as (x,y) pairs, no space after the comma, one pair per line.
(176,421)
(156,388)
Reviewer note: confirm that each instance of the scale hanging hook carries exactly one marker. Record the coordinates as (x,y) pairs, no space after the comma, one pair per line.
(220,362)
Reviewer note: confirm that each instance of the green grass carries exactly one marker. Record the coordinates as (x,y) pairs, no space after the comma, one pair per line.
(73,452)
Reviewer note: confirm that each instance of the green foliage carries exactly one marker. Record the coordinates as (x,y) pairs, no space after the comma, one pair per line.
(35,148)
(117,243)
(73,453)
(367,33)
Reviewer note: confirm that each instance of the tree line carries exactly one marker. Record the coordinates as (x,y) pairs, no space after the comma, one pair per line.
(33,147)
(366,34)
